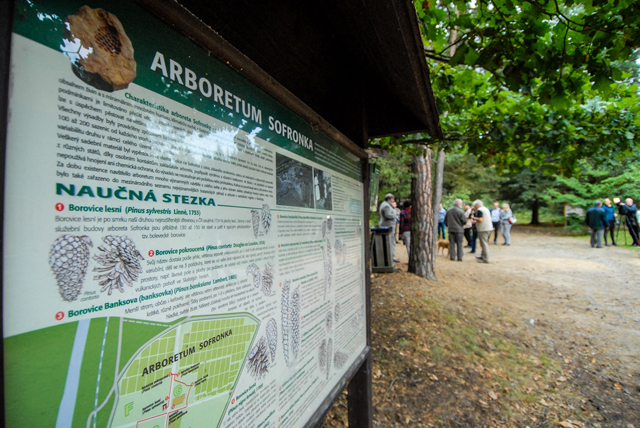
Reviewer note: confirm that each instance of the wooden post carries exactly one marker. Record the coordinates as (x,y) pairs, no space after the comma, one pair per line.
(360,392)
(360,389)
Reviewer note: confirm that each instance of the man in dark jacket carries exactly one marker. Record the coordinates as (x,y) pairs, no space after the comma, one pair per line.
(596,219)
(455,221)
(629,210)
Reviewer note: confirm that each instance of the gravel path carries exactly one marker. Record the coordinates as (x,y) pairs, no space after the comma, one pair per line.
(584,296)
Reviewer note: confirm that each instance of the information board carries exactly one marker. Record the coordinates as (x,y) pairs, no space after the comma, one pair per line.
(180,249)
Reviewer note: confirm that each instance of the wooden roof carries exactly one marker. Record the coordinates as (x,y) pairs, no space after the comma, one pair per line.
(358,64)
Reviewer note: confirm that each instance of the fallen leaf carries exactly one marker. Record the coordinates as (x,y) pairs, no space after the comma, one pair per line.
(484,403)
(544,403)
(536,377)
(567,361)
(617,386)
(493,395)
(593,360)
(562,379)
(433,377)
(570,424)
(407,420)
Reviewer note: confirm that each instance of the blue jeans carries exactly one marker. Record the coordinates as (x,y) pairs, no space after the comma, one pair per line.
(474,239)
(441,227)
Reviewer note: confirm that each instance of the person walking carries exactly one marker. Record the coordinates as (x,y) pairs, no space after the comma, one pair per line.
(455,221)
(505,223)
(495,220)
(405,227)
(388,219)
(596,219)
(482,218)
(610,213)
(441,214)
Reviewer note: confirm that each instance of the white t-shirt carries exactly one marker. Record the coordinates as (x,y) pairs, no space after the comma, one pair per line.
(485,225)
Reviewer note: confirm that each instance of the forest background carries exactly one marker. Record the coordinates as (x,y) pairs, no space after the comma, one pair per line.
(538,103)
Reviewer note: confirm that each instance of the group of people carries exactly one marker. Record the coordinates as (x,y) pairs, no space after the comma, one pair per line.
(473,222)
(602,218)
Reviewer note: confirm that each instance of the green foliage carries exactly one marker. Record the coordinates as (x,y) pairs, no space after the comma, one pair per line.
(599,181)
(536,84)
(467,179)
(395,174)
(514,130)
(568,42)
(575,224)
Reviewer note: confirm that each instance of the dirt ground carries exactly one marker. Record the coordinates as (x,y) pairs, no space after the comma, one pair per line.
(547,334)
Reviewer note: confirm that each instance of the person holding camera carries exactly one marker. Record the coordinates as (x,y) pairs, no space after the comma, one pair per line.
(629,210)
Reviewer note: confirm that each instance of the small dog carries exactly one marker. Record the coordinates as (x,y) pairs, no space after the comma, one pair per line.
(443,244)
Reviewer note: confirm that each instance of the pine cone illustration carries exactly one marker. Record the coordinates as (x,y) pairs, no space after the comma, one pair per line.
(258,360)
(339,359)
(69,258)
(120,262)
(338,250)
(324,228)
(267,279)
(329,354)
(328,266)
(284,309)
(255,222)
(336,312)
(266,218)
(254,270)
(109,66)
(322,355)
(295,322)
(272,338)
(329,223)
(329,321)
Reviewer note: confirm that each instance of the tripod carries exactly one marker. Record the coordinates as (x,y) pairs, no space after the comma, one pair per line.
(623,223)
(630,228)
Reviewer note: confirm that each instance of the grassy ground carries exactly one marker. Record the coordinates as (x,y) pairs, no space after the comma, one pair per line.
(443,359)
(448,365)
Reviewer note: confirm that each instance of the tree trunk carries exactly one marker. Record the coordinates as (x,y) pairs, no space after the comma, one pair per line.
(422,250)
(535,213)
(436,201)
